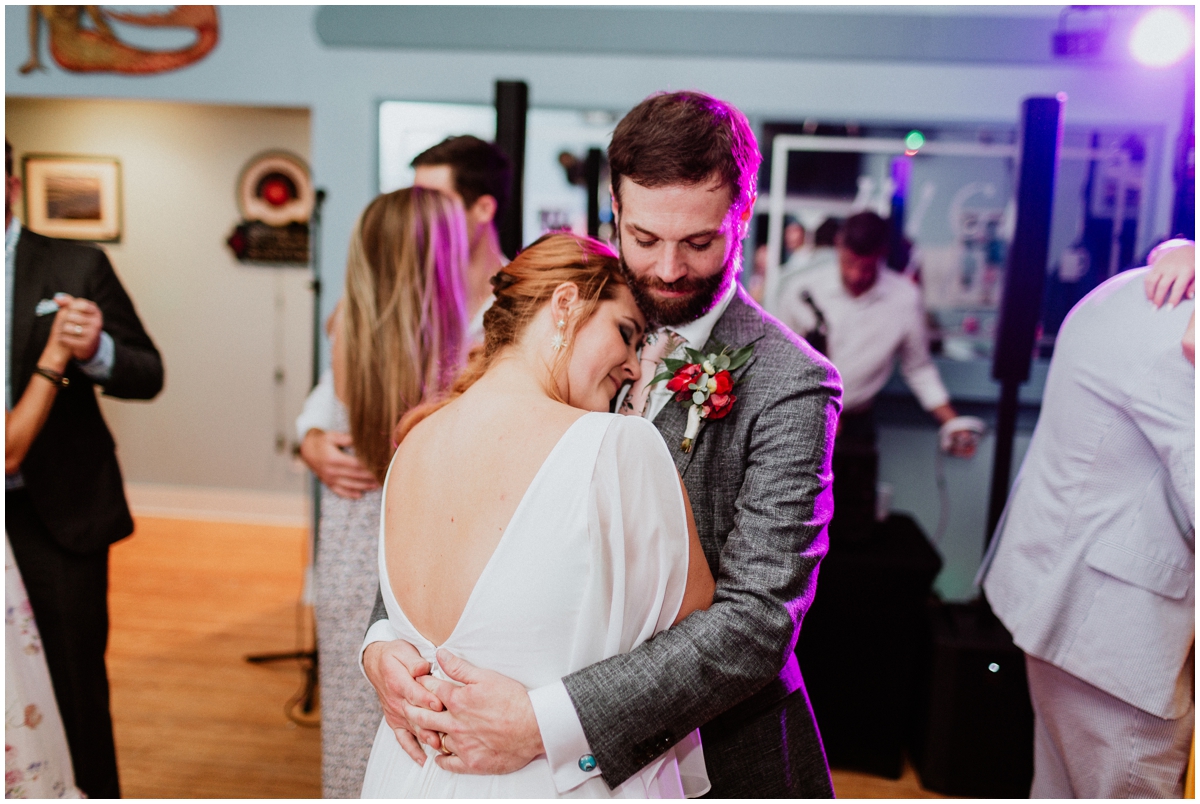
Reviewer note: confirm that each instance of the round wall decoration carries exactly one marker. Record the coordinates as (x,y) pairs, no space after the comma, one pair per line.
(275,188)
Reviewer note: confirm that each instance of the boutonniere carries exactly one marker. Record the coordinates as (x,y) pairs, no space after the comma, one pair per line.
(703,384)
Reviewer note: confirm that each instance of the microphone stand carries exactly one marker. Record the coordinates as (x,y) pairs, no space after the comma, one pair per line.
(308,658)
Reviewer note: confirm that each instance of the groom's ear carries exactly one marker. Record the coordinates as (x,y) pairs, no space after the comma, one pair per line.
(747,212)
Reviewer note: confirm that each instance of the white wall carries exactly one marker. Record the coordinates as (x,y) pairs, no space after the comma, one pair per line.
(222,327)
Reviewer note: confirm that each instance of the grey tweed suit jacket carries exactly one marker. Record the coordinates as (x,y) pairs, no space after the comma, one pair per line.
(759,481)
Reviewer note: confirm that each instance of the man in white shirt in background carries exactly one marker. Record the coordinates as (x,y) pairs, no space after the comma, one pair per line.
(864,318)
(873,317)
(479,175)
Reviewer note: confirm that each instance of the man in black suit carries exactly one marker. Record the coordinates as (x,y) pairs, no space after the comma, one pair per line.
(65,504)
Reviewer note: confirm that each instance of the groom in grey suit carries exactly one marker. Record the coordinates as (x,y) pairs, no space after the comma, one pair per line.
(684,169)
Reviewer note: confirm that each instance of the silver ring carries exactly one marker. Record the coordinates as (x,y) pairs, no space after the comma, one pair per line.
(78,329)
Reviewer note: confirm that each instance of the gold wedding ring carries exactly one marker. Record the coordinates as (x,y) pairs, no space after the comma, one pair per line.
(445,751)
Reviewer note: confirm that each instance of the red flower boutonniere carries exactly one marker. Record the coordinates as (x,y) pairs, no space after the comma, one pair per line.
(704,385)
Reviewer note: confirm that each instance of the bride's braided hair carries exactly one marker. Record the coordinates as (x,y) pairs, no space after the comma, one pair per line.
(521,289)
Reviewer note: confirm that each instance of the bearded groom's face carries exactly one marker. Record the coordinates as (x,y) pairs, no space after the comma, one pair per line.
(680,247)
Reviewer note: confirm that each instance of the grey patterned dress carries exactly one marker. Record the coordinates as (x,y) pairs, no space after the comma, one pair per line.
(346,579)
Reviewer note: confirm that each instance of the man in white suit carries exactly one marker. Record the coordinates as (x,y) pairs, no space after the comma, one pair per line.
(1092,568)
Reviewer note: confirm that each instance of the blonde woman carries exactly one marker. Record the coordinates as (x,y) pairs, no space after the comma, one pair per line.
(397,339)
(528,530)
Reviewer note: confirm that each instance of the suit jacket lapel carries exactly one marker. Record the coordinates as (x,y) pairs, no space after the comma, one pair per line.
(740,325)
(26,293)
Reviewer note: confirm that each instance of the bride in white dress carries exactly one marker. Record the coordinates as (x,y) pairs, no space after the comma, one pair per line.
(527,530)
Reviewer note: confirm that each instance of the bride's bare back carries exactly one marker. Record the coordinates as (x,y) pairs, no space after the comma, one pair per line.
(455,484)
(460,474)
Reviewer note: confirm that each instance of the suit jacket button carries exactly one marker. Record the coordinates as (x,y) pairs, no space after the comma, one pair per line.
(587,763)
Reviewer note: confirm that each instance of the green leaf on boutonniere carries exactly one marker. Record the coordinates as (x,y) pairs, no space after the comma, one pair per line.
(674,364)
(661,376)
(739,357)
(695,357)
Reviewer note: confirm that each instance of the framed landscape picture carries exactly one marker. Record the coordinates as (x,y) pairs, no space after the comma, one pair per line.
(73,197)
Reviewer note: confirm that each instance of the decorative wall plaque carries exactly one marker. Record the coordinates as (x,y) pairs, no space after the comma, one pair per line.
(275,197)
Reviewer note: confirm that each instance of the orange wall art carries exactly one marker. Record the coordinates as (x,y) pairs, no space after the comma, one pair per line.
(83,41)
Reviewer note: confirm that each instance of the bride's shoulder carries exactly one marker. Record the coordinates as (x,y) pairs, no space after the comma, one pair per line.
(634,458)
(430,433)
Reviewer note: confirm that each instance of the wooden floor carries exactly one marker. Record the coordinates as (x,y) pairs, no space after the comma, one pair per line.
(851,784)
(189,600)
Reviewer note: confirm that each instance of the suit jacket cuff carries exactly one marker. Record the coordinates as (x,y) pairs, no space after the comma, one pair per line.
(562,735)
(380,631)
(100,367)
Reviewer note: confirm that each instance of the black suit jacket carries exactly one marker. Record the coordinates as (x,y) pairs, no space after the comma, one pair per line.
(71,471)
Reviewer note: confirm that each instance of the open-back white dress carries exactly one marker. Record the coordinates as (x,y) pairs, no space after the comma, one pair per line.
(593,563)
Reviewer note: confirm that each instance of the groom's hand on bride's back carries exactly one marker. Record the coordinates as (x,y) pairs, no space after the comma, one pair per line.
(393,669)
(488,722)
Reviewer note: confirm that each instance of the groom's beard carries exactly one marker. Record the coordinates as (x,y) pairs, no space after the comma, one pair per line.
(674,312)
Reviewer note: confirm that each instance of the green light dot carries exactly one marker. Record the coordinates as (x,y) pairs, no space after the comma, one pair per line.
(914,140)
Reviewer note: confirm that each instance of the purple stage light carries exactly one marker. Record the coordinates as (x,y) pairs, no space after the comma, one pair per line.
(1161,37)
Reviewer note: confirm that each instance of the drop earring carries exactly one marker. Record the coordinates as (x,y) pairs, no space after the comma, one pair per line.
(559,340)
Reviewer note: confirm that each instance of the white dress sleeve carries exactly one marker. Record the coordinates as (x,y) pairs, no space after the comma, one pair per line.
(638,529)
(639,524)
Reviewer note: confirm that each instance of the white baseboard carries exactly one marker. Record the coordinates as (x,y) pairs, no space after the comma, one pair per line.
(219,504)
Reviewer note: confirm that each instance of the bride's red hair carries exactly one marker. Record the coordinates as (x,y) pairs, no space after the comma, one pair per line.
(521,289)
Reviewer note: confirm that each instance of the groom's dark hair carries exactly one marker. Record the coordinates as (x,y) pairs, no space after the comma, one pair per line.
(674,138)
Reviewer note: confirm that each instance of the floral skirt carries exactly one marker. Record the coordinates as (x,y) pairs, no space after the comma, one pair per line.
(37,762)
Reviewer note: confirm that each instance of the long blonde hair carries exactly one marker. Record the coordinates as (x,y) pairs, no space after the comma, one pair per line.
(521,289)
(404,316)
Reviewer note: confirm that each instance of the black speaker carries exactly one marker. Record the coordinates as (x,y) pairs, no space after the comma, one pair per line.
(1021,304)
(863,644)
(1025,274)
(512,108)
(978,730)
(591,171)
(855,475)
